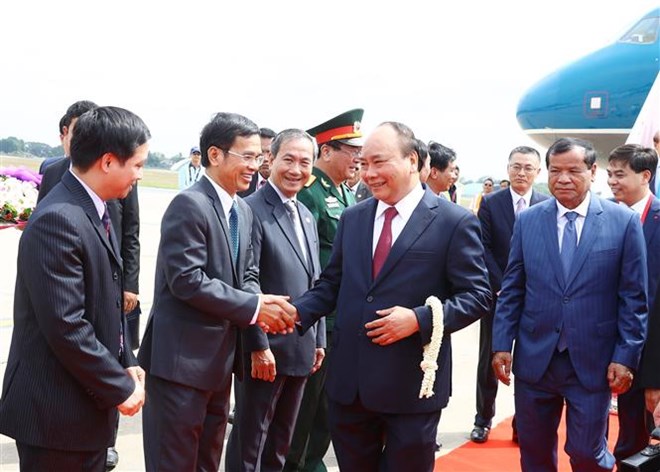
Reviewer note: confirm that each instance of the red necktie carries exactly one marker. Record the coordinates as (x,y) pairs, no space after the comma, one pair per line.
(384,242)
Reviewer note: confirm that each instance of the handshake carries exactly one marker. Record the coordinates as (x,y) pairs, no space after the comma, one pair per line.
(276,314)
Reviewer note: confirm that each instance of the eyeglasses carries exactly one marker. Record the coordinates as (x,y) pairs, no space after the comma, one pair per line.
(355,153)
(258,160)
(526,169)
(488,185)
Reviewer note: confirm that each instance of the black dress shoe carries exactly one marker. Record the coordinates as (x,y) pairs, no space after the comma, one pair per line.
(112,459)
(479,434)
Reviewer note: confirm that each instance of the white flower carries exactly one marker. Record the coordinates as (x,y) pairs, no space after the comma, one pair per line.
(429,362)
(17,199)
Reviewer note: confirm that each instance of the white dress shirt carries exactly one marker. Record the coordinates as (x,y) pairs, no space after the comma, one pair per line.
(404,209)
(581,210)
(227,201)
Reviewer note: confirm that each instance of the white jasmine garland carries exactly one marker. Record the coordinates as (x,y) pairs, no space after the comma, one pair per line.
(429,362)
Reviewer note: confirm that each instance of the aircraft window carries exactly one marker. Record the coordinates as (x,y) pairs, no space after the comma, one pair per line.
(644,32)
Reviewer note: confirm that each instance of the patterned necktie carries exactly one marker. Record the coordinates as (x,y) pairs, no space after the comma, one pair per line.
(233,230)
(520,206)
(105,219)
(568,243)
(261,184)
(384,242)
(292,209)
(568,248)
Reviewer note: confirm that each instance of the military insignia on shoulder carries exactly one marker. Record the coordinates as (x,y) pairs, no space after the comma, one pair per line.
(311,180)
(325,183)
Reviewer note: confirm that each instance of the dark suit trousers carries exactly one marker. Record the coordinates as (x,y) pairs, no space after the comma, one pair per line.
(266,415)
(183,427)
(368,441)
(311,435)
(486,380)
(37,459)
(633,430)
(538,413)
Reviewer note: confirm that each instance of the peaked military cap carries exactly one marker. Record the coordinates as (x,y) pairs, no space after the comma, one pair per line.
(344,128)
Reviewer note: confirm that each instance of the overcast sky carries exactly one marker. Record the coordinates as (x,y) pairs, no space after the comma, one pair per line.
(453,71)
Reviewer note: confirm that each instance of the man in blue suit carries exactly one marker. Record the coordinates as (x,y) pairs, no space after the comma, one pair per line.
(497,214)
(285,245)
(630,169)
(574,301)
(390,253)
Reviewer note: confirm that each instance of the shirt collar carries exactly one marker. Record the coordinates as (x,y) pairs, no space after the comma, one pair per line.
(405,206)
(99,204)
(527,196)
(581,209)
(640,206)
(283,197)
(225,199)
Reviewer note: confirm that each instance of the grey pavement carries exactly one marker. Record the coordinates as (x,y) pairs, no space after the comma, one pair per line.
(455,424)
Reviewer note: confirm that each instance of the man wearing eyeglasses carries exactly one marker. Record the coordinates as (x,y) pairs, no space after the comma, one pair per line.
(327,196)
(206,288)
(497,213)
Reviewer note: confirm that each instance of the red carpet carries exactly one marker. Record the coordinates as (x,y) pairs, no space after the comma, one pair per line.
(500,454)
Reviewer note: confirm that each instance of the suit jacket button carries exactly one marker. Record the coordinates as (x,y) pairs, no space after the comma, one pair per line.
(115,276)
(118,303)
(370,299)
(557,330)
(565,300)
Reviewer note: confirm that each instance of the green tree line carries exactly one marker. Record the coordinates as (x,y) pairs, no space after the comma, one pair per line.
(13,146)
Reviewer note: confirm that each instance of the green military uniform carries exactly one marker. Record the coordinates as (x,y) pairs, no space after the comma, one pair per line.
(311,437)
(326,202)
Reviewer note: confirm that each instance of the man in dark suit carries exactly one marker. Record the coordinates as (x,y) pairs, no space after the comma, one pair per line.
(260,178)
(630,169)
(573,299)
(497,213)
(66,127)
(286,249)
(125,217)
(377,419)
(69,370)
(206,288)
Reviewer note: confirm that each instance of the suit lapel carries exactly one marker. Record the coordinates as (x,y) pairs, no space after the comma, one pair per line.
(421,217)
(86,203)
(365,237)
(506,209)
(308,225)
(281,215)
(549,237)
(220,214)
(590,231)
(652,222)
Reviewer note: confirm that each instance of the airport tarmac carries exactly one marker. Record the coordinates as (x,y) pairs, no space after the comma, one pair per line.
(455,424)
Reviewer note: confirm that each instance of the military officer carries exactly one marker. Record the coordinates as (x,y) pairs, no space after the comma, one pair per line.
(326,195)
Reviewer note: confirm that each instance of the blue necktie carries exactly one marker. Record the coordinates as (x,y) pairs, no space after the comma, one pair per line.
(568,243)
(233,230)
(568,248)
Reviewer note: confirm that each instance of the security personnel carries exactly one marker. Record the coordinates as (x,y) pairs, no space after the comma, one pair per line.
(326,195)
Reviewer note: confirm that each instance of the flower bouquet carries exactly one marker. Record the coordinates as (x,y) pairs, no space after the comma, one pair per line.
(19,189)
